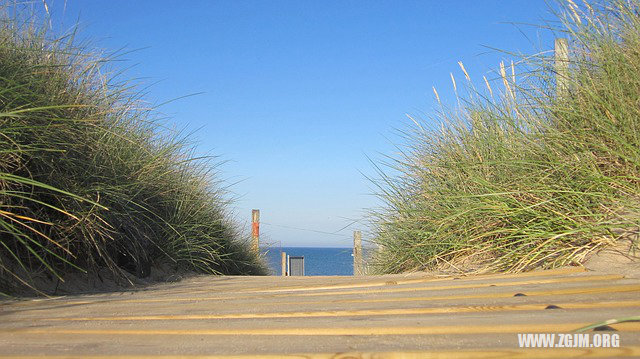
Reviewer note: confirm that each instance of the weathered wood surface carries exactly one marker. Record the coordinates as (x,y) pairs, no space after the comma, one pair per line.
(403,316)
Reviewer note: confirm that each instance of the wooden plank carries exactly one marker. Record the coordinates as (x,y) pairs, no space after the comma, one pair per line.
(542,353)
(494,328)
(551,292)
(588,278)
(270,282)
(583,290)
(237,301)
(357,313)
(396,290)
(15,318)
(394,280)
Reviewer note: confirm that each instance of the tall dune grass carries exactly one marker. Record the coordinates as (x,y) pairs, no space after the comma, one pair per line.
(89,179)
(525,176)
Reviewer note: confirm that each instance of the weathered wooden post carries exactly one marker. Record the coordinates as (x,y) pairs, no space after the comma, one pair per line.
(357,253)
(284,264)
(561,49)
(255,230)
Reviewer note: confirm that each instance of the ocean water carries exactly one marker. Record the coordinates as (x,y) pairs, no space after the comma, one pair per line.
(317,261)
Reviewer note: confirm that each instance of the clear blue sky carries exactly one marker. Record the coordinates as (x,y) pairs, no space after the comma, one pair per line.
(297,94)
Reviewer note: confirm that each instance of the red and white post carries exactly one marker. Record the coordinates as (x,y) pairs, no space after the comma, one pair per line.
(255,230)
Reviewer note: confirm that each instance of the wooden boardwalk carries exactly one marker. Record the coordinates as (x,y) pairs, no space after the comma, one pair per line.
(399,316)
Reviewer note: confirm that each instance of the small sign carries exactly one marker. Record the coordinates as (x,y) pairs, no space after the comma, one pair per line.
(296,266)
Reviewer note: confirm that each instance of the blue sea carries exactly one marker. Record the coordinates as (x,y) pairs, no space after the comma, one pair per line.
(317,261)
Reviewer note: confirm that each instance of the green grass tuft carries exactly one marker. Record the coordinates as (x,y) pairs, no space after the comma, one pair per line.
(525,178)
(89,179)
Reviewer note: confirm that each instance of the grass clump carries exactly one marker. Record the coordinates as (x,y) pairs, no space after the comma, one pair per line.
(90,181)
(538,175)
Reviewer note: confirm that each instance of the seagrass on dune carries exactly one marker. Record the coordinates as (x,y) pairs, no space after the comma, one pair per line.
(90,180)
(517,177)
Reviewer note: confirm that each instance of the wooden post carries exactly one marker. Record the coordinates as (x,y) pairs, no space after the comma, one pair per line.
(357,253)
(284,264)
(255,230)
(562,67)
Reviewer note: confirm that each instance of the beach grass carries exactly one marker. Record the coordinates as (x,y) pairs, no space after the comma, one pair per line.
(538,172)
(90,178)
